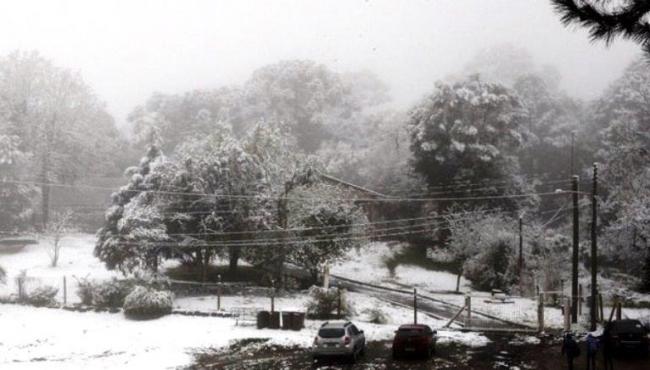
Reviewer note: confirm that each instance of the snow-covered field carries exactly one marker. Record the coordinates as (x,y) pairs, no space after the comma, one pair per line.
(368,264)
(36,338)
(76,261)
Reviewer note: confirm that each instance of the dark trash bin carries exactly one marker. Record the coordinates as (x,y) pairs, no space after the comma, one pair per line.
(274,322)
(263,319)
(286,320)
(298,321)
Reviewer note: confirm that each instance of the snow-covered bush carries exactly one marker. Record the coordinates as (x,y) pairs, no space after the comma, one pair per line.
(85,291)
(107,294)
(144,302)
(376,316)
(482,246)
(324,303)
(41,296)
(495,266)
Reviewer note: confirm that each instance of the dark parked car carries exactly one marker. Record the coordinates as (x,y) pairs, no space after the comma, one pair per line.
(627,336)
(414,339)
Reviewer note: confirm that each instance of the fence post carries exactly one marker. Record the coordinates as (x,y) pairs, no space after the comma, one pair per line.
(540,313)
(468,304)
(65,291)
(219,292)
(326,277)
(619,308)
(415,306)
(272,296)
(567,315)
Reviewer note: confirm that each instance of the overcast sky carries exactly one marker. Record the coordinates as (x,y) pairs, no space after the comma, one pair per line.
(128,49)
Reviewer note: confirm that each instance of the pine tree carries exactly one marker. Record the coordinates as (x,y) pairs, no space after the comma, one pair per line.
(607,19)
(122,241)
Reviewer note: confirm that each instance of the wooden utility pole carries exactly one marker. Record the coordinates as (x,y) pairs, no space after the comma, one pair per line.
(521,250)
(594,248)
(576,251)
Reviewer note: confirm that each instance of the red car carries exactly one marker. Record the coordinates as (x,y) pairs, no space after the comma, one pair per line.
(414,339)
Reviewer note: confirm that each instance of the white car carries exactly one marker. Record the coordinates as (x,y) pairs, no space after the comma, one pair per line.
(339,338)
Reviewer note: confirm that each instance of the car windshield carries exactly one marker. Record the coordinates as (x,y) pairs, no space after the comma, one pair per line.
(410,332)
(627,327)
(331,333)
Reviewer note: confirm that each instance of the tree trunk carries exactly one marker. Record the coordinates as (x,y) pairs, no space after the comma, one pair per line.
(205,265)
(234,252)
(283,220)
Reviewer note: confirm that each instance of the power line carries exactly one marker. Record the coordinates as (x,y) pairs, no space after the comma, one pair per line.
(426,226)
(263,196)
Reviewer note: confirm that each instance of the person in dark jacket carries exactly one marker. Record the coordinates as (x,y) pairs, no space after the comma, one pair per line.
(570,349)
(592,351)
(608,349)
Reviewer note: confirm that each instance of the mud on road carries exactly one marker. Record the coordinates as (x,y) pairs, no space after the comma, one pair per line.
(503,352)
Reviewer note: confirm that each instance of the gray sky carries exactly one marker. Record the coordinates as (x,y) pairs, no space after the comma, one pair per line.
(128,49)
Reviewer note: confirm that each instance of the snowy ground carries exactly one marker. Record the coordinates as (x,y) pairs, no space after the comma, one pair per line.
(50,338)
(368,265)
(54,338)
(76,261)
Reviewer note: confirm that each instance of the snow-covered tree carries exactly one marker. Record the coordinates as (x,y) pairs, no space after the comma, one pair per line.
(483,249)
(502,64)
(469,131)
(314,102)
(624,114)
(171,119)
(58,120)
(324,225)
(133,227)
(16,198)
(552,118)
(238,185)
(60,225)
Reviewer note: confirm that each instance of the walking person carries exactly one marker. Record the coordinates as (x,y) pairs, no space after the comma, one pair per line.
(570,349)
(608,349)
(592,351)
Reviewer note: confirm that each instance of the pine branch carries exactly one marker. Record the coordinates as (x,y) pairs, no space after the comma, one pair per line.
(603,24)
